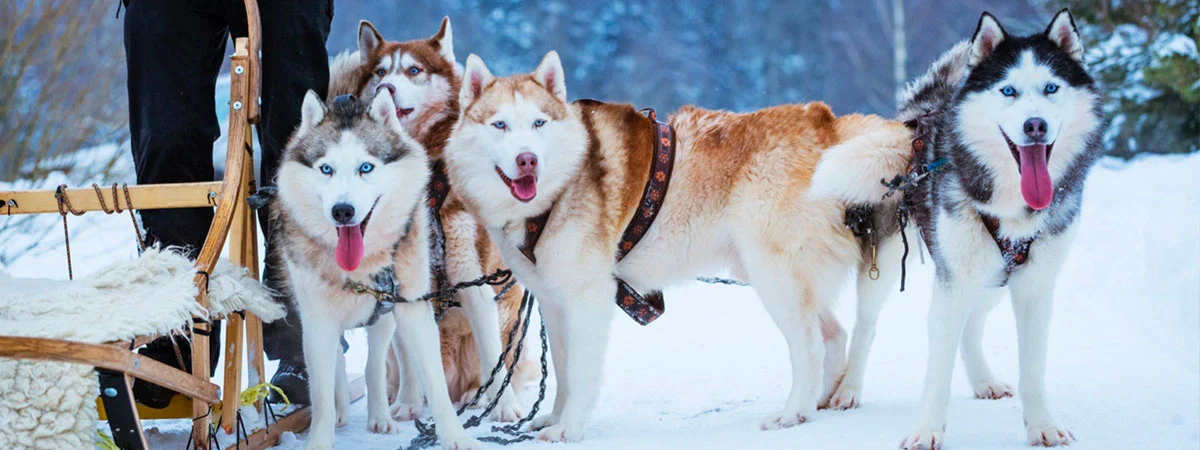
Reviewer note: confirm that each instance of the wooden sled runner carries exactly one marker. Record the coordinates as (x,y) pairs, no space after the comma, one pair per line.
(116,363)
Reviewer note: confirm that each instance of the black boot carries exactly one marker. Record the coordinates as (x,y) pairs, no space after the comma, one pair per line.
(163,351)
(292,378)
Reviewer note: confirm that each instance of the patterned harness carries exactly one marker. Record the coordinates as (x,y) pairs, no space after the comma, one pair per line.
(642,308)
(1015,252)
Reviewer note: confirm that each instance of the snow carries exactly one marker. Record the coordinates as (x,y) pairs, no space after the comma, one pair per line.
(1124,369)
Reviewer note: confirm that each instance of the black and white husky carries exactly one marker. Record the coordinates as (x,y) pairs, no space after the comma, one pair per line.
(351,203)
(1005,129)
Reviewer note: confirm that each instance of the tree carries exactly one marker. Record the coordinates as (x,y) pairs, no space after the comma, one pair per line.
(1143,53)
(62,92)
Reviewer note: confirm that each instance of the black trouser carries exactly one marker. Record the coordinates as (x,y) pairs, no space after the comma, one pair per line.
(175,49)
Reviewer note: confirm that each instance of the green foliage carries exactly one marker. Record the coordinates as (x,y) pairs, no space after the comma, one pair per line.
(1144,54)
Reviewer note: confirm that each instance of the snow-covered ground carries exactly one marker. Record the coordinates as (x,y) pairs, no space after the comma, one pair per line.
(1124,369)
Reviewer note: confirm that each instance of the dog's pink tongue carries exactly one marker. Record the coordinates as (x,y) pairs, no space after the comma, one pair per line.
(1035,176)
(525,188)
(349,251)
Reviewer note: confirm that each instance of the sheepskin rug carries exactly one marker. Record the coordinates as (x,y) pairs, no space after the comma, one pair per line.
(51,405)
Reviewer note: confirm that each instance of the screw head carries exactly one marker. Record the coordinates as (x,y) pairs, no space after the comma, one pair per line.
(237,105)
(238,70)
(110,392)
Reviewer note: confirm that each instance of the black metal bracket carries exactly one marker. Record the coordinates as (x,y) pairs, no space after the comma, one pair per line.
(117,394)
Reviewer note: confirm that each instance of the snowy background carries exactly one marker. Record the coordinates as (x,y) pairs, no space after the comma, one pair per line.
(1124,369)
(1125,347)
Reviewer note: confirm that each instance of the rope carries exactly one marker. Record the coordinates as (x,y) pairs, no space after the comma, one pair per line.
(261,391)
(128,202)
(104,442)
(64,205)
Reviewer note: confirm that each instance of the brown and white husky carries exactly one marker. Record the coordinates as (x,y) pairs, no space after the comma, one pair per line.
(737,199)
(423,79)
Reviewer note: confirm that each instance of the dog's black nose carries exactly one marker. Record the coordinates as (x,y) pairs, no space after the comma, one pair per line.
(343,213)
(1035,128)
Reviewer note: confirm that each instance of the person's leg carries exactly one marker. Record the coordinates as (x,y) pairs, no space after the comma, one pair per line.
(173,52)
(294,61)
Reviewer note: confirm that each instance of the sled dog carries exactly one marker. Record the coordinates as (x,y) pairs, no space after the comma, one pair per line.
(351,209)
(1006,129)
(736,199)
(423,79)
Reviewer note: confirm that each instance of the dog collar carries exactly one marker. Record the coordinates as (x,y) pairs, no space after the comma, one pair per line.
(642,308)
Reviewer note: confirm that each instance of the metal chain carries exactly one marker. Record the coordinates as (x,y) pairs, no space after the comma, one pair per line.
(427,434)
(715,280)
(499,277)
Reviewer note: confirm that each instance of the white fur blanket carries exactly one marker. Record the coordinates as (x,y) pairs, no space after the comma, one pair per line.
(52,405)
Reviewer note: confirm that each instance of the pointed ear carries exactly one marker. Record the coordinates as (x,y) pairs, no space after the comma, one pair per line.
(988,36)
(549,74)
(368,39)
(445,40)
(476,76)
(1062,32)
(383,109)
(312,111)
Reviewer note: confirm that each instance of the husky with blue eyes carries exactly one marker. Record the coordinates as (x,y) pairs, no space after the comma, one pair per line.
(352,209)
(1005,131)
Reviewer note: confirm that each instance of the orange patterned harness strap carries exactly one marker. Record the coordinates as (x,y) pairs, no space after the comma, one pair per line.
(642,308)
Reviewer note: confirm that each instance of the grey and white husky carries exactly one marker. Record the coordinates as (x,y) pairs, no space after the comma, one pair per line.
(1008,128)
(351,203)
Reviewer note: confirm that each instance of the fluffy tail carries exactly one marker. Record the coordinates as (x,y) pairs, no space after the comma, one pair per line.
(852,170)
(343,74)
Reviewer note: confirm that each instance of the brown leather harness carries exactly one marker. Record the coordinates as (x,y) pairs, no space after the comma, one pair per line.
(642,308)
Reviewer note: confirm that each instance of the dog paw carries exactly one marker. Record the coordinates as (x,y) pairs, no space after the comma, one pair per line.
(846,397)
(561,433)
(383,425)
(460,441)
(1049,436)
(508,410)
(992,390)
(783,419)
(343,417)
(543,422)
(470,394)
(923,440)
(405,412)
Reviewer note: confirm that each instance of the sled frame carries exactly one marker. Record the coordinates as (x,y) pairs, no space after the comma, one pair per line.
(116,363)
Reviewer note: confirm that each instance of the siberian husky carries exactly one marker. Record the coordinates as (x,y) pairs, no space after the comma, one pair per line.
(1014,124)
(737,199)
(423,79)
(351,193)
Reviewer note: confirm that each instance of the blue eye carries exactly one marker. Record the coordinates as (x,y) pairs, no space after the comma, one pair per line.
(366,167)
(1051,88)
(538,123)
(414,70)
(1008,91)
(325,169)
(499,124)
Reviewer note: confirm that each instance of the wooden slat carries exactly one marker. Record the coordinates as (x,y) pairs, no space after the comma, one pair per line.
(231,189)
(152,196)
(295,422)
(110,357)
(253,62)
(241,234)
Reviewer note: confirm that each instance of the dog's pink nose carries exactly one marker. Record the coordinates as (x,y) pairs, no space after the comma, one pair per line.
(527,164)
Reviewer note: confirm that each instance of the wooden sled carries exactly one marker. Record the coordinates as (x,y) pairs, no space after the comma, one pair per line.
(117,365)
